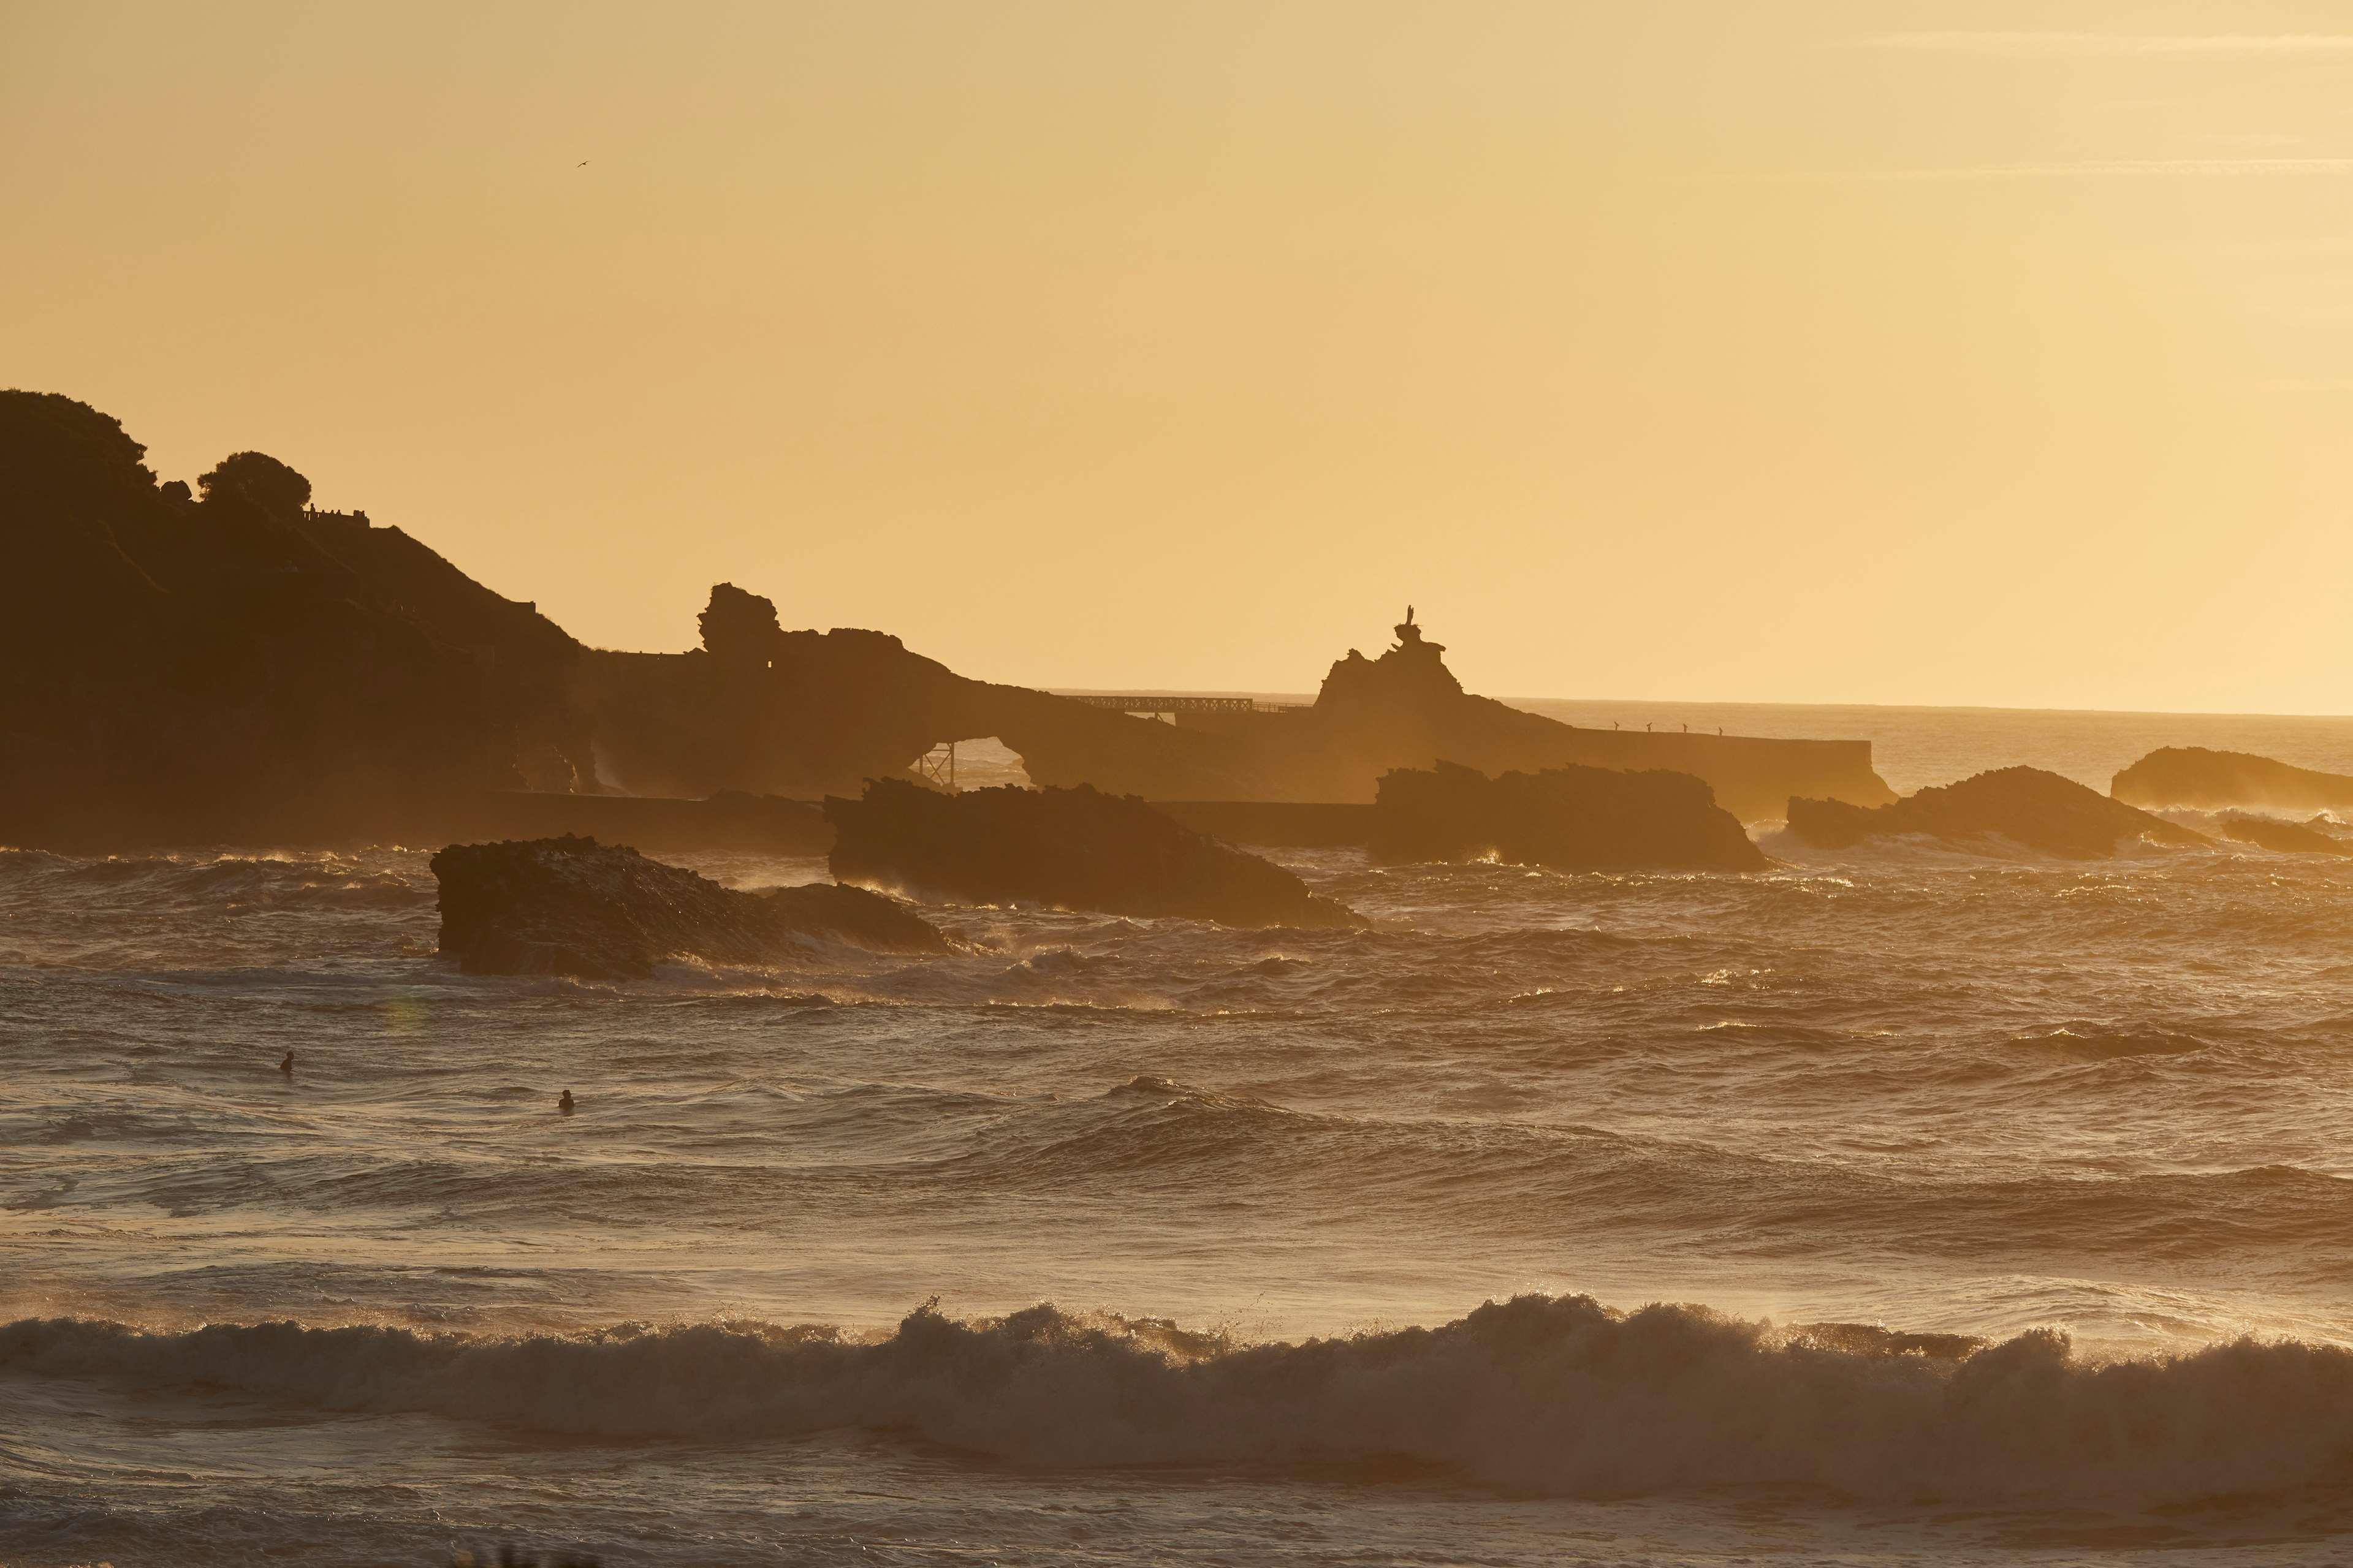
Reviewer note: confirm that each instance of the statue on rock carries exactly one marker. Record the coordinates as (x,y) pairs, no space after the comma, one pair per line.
(1409,639)
(1409,675)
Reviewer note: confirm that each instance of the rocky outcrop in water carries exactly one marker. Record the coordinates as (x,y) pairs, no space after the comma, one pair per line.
(2283,837)
(573,906)
(1070,849)
(2027,807)
(2216,780)
(1575,817)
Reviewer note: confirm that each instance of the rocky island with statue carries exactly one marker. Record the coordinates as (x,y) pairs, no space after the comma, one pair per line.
(228,664)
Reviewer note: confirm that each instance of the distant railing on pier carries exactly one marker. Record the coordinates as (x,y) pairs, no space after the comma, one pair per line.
(1170,705)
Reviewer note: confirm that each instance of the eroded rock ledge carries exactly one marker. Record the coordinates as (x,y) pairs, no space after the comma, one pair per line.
(2215,780)
(573,906)
(2023,806)
(1070,848)
(2281,838)
(1572,817)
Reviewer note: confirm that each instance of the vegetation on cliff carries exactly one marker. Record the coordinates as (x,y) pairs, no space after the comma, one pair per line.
(225,662)
(239,666)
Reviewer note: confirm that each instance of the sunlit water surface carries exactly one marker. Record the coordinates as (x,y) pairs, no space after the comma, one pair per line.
(1934,1092)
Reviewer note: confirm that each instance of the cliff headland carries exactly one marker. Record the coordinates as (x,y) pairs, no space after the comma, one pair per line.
(227,663)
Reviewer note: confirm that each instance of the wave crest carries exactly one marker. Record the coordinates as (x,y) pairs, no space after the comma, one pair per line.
(1538,1395)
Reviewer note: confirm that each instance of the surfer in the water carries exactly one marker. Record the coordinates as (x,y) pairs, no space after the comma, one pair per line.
(287,1066)
(564,1103)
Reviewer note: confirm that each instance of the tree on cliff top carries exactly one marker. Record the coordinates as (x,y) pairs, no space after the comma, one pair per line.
(260,478)
(48,440)
(739,629)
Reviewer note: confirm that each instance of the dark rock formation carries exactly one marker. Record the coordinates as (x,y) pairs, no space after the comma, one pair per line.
(241,667)
(740,630)
(1405,710)
(2025,807)
(806,713)
(572,906)
(1572,817)
(246,666)
(821,713)
(2286,837)
(1071,848)
(2215,780)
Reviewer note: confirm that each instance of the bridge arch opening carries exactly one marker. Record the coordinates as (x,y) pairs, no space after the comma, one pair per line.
(981,762)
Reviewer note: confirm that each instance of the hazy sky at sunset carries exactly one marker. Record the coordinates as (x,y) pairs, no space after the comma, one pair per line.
(1935,352)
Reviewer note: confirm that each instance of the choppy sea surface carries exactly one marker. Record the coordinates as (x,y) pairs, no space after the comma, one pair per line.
(1893,1205)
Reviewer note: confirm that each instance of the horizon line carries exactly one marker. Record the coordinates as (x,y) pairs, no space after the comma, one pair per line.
(1728,702)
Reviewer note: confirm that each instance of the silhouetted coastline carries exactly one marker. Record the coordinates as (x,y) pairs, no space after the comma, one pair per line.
(231,664)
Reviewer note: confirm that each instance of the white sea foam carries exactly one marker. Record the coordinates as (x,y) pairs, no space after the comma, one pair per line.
(1542,1396)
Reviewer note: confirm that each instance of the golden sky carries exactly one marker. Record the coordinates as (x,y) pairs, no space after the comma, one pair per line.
(1871,352)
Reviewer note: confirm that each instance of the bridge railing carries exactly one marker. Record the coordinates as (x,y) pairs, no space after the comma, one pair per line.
(1169,704)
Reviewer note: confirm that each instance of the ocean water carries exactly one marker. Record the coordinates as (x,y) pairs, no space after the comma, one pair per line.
(1894,1205)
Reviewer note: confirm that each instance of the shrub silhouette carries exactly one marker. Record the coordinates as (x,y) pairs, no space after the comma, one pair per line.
(260,478)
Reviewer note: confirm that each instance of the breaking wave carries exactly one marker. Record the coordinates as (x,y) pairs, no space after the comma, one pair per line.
(218,882)
(1538,1396)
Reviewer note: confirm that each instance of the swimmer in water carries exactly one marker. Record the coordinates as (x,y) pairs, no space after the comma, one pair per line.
(564,1103)
(287,1066)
